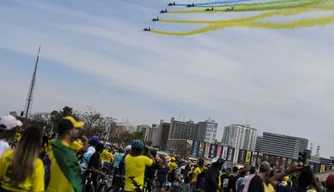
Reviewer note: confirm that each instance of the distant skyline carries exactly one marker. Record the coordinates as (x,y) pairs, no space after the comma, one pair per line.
(277,81)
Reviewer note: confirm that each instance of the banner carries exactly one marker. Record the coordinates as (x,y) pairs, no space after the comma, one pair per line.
(241,158)
(201,149)
(212,151)
(224,153)
(248,157)
(230,154)
(236,155)
(254,158)
(194,150)
(219,151)
(207,150)
(190,144)
(322,168)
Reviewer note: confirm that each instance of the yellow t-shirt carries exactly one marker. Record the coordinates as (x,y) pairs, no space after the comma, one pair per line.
(34,183)
(103,154)
(135,167)
(108,157)
(268,188)
(172,166)
(18,136)
(197,171)
(76,146)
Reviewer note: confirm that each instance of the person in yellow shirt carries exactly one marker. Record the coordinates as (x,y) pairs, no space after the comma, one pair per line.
(65,170)
(107,157)
(21,169)
(198,170)
(80,148)
(135,164)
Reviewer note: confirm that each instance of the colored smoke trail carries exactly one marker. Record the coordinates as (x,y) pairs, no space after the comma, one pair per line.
(213,3)
(252,4)
(251,22)
(263,7)
(287,12)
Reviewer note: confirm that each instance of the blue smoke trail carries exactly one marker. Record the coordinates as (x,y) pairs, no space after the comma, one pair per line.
(212,3)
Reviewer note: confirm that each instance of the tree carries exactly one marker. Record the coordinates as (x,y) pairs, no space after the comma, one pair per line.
(179,147)
(96,124)
(13,113)
(126,137)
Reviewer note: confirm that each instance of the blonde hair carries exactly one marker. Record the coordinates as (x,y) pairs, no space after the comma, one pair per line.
(25,155)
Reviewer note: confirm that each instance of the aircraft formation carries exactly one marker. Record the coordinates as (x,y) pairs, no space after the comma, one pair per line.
(187,6)
(258,11)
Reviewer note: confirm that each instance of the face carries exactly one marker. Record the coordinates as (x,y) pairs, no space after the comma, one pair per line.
(74,134)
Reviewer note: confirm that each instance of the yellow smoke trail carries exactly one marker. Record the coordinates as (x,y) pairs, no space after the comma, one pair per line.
(251,22)
(287,12)
(264,7)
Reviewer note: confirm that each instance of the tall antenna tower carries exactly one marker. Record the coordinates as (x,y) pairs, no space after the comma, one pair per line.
(28,105)
(311,148)
(318,151)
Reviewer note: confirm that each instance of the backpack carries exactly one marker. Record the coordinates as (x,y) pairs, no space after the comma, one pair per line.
(171,176)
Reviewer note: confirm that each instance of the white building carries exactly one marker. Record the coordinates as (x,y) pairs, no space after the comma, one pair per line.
(207,131)
(240,136)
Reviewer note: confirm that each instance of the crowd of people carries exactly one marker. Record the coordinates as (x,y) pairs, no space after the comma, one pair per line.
(61,162)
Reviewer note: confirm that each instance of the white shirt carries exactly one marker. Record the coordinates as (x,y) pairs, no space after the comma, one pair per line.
(4,146)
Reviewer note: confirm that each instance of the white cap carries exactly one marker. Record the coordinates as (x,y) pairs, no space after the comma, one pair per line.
(128,148)
(9,122)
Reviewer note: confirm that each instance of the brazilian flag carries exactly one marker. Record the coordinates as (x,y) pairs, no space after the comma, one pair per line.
(65,170)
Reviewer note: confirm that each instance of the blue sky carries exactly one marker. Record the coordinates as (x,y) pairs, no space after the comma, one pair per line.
(96,54)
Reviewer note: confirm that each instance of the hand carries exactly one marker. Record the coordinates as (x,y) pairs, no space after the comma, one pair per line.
(84,138)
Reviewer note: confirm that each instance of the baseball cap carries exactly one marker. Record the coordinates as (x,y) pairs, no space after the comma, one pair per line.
(242,169)
(330,181)
(75,124)
(9,122)
(128,148)
(68,123)
(265,165)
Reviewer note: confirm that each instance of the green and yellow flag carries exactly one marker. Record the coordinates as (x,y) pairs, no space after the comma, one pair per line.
(65,169)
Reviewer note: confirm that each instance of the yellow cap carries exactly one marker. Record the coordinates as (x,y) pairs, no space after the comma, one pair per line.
(76,124)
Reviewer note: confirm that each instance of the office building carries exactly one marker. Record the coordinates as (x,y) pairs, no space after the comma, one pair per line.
(182,130)
(240,136)
(259,143)
(207,131)
(146,130)
(154,137)
(282,145)
(159,134)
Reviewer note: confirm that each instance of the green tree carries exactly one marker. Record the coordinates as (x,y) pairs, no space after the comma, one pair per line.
(13,113)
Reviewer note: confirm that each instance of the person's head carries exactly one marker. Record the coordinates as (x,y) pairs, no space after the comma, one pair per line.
(128,149)
(137,148)
(228,170)
(235,169)
(54,136)
(264,168)
(68,128)
(99,148)
(120,150)
(330,183)
(217,163)
(25,154)
(305,178)
(242,172)
(8,127)
(252,170)
(45,141)
(200,163)
(173,159)
(94,140)
(110,150)
(180,163)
